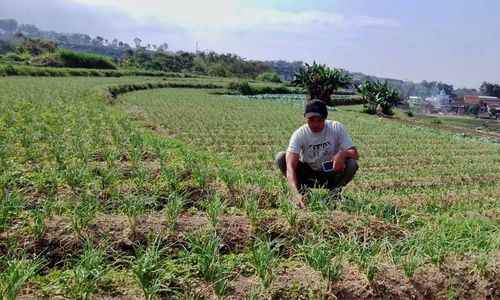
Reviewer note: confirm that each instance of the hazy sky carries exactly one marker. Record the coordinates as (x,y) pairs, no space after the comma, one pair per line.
(455,41)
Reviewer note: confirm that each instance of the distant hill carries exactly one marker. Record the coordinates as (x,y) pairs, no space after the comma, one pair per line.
(10,30)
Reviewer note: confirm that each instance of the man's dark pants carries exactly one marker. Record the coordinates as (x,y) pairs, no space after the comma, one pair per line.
(307,177)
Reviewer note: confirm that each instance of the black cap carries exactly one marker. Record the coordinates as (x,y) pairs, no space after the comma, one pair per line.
(316,108)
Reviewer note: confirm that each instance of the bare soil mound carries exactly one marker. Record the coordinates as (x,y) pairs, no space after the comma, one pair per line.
(430,283)
(352,284)
(242,287)
(391,283)
(60,241)
(296,281)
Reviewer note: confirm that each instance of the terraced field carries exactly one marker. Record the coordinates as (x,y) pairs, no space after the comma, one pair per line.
(173,193)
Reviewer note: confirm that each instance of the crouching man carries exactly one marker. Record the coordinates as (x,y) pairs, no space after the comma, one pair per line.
(320,154)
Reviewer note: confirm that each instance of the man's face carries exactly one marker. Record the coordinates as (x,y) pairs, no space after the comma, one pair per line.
(316,124)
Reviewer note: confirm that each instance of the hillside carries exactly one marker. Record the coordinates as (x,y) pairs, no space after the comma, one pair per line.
(160,59)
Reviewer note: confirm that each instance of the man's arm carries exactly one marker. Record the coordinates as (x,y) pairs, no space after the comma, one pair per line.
(341,156)
(292,160)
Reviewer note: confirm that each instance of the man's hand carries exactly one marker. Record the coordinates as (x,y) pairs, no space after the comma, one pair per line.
(339,162)
(300,200)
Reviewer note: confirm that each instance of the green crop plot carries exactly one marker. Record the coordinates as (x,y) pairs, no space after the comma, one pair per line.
(173,193)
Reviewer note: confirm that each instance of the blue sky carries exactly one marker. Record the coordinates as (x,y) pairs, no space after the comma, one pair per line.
(457,42)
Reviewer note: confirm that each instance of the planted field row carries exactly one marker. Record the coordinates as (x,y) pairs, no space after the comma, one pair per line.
(174,193)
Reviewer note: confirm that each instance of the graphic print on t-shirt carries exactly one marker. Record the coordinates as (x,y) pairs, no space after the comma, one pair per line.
(315,151)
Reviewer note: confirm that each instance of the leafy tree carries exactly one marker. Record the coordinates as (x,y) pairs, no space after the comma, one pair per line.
(6,47)
(287,69)
(321,81)
(62,39)
(137,42)
(29,30)
(462,92)
(474,109)
(199,65)
(162,47)
(447,88)
(218,70)
(8,25)
(490,89)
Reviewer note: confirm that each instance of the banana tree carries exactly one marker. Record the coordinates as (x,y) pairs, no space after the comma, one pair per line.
(391,99)
(321,81)
(379,94)
(369,93)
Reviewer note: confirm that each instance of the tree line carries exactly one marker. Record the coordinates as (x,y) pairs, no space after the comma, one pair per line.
(157,57)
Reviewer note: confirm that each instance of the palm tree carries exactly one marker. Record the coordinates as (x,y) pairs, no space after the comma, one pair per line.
(321,81)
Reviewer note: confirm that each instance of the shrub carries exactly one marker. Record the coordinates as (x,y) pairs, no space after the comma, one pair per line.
(6,47)
(409,113)
(243,87)
(74,59)
(218,70)
(47,60)
(8,70)
(269,76)
(18,57)
(370,110)
(436,121)
(36,46)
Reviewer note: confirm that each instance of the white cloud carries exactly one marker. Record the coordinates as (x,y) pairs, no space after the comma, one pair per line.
(198,15)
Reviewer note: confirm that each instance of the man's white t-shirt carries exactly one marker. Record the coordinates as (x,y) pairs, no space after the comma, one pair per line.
(316,148)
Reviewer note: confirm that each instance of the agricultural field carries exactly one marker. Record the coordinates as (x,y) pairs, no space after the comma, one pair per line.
(462,125)
(488,125)
(173,193)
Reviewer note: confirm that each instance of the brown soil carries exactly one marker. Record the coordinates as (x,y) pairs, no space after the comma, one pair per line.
(59,241)
(430,283)
(296,282)
(378,229)
(202,290)
(278,229)
(352,284)
(343,222)
(275,227)
(264,198)
(242,287)
(236,232)
(464,277)
(492,275)
(391,283)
